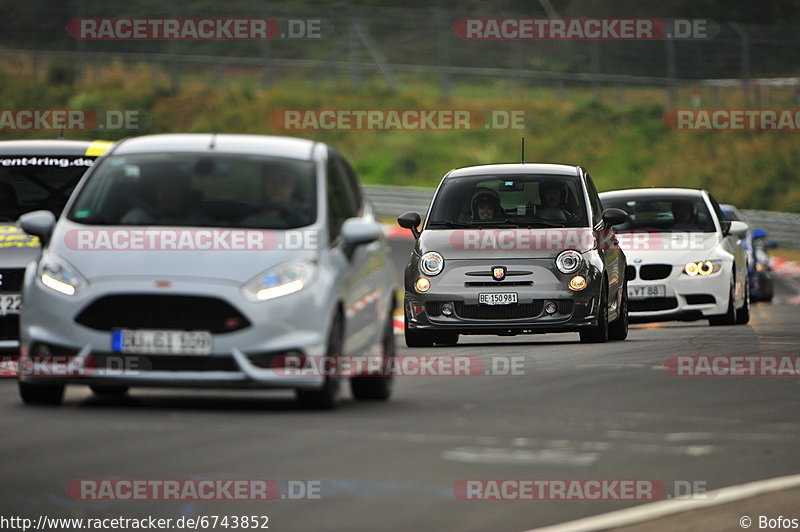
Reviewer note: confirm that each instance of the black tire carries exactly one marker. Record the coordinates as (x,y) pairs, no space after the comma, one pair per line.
(416,338)
(445,338)
(41,394)
(767,288)
(109,391)
(598,334)
(327,397)
(378,387)
(618,330)
(729,318)
(743,314)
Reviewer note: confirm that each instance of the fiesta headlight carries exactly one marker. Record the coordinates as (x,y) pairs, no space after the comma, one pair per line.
(702,267)
(569,261)
(59,275)
(431,263)
(279,281)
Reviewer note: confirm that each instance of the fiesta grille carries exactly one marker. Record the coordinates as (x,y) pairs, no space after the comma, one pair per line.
(652,272)
(652,304)
(142,311)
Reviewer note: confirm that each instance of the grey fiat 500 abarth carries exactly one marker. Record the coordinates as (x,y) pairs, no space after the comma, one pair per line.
(515,248)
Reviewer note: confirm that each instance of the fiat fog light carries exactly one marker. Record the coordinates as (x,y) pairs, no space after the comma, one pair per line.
(422,285)
(577,283)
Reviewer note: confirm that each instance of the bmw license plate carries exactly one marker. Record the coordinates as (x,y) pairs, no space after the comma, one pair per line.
(170,342)
(9,304)
(646,291)
(501,298)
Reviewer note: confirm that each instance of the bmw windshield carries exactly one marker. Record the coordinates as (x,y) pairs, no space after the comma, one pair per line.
(530,201)
(663,214)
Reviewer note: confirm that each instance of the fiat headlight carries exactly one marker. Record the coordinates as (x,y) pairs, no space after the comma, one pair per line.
(281,280)
(59,275)
(431,263)
(569,261)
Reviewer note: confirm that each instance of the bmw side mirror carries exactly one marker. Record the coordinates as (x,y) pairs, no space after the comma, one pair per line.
(38,223)
(410,220)
(613,216)
(737,229)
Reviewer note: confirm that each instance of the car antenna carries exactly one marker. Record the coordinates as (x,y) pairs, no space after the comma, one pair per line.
(523,150)
(213,141)
(61,135)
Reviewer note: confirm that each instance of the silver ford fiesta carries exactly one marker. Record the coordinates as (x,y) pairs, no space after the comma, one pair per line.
(209,261)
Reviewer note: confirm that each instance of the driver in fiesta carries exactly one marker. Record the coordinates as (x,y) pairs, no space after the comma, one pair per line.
(279,197)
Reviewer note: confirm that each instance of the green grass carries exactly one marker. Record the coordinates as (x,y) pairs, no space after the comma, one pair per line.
(624,145)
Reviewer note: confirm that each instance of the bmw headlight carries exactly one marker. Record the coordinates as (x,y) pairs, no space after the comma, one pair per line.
(431,263)
(702,267)
(281,280)
(569,261)
(59,275)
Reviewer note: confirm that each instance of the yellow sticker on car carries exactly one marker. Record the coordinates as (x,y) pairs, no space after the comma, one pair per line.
(98,148)
(12,236)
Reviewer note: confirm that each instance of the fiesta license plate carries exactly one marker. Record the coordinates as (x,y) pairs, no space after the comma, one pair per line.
(143,341)
(502,298)
(646,291)
(9,304)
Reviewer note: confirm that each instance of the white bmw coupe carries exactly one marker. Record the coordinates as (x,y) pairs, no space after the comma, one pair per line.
(685,260)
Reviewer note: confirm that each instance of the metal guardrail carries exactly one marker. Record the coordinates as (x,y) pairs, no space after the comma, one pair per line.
(391,201)
(781,227)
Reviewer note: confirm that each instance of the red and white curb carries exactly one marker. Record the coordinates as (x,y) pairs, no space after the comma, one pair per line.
(790,270)
(399,323)
(395,232)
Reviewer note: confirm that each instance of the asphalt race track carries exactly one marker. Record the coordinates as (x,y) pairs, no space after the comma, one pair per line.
(576,412)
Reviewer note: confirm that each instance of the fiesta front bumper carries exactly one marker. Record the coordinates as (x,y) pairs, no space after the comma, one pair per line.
(58,349)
